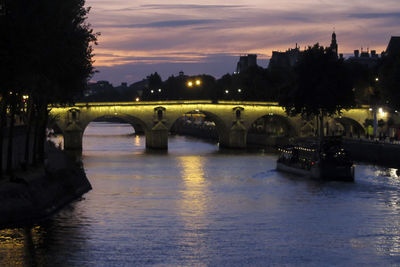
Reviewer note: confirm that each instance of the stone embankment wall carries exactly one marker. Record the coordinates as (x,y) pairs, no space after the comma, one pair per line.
(31,196)
(382,153)
(209,132)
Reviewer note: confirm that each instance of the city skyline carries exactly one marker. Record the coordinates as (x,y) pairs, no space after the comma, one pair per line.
(209,36)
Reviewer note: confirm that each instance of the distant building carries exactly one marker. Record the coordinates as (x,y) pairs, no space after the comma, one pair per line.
(334,45)
(122,87)
(285,59)
(97,88)
(393,46)
(290,57)
(137,88)
(246,62)
(366,58)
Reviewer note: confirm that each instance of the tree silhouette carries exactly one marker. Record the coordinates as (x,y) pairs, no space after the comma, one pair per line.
(322,85)
(47,55)
(154,85)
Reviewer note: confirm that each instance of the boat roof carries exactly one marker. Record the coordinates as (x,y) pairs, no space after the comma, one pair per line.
(313,143)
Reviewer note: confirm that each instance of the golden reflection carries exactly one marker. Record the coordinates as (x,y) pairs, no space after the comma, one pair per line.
(137,140)
(194,199)
(193,204)
(18,247)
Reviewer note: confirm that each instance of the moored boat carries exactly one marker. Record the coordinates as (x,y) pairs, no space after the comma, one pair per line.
(321,159)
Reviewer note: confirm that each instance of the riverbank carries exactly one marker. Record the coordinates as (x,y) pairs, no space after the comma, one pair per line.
(380,153)
(28,197)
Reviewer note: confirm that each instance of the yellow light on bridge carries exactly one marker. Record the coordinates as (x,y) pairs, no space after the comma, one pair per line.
(190,84)
(198,82)
(137,99)
(382,113)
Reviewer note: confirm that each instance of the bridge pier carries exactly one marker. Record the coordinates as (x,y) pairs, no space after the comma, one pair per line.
(73,137)
(157,137)
(235,138)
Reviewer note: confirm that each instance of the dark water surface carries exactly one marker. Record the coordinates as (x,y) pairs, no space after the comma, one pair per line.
(196,206)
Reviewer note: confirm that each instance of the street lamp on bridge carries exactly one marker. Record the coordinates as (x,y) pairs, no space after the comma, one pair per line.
(193,83)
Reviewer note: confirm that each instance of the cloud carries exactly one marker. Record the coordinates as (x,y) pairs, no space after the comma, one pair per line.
(395,15)
(164,24)
(214,64)
(146,35)
(183,6)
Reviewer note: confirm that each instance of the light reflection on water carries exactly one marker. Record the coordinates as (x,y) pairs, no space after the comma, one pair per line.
(196,205)
(193,204)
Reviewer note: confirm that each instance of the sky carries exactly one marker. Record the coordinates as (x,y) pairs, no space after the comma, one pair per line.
(140,37)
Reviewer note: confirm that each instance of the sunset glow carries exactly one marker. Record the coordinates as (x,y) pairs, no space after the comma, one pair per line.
(145,36)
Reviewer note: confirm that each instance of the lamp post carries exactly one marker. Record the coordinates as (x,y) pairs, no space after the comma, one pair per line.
(375,109)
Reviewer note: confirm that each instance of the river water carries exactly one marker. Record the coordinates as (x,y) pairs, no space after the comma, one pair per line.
(196,206)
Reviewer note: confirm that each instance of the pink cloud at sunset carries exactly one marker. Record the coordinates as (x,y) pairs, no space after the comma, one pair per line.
(140,37)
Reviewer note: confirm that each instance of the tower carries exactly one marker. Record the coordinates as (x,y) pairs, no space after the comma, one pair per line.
(334,45)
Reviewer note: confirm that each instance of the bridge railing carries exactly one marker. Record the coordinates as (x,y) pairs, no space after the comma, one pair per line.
(168,102)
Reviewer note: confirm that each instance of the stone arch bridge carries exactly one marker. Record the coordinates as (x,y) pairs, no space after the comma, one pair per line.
(232,119)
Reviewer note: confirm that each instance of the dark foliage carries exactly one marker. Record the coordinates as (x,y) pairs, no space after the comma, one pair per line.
(364,83)
(46,57)
(322,85)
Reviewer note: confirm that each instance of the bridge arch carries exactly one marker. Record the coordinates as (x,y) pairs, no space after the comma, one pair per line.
(135,122)
(233,119)
(273,124)
(350,127)
(75,122)
(270,129)
(199,119)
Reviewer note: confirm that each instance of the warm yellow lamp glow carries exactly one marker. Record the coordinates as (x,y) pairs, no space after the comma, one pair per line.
(198,82)
(195,185)
(190,84)
(137,99)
